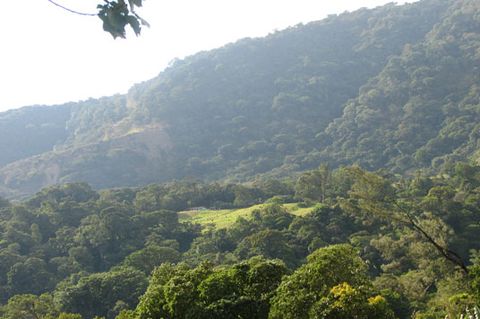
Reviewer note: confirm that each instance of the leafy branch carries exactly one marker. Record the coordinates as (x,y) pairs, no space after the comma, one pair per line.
(116,16)
(375,194)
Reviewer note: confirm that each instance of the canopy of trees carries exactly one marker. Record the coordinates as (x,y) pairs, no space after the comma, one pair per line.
(373,245)
(276,123)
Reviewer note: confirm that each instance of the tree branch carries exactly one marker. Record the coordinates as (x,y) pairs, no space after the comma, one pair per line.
(72,11)
(447,253)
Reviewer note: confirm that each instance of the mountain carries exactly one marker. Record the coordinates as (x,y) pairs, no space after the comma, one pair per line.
(423,108)
(394,87)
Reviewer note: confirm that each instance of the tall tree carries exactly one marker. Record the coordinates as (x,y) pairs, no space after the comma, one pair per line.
(377,195)
(326,268)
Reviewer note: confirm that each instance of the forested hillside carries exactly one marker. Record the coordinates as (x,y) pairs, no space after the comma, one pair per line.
(330,170)
(369,246)
(423,108)
(31,131)
(393,87)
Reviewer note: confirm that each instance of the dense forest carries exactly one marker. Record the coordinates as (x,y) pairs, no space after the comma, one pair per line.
(330,170)
(371,245)
(393,87)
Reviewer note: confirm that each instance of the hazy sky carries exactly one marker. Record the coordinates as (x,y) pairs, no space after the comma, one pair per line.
(50,56)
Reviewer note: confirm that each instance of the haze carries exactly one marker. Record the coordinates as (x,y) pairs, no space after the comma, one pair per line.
(50,56)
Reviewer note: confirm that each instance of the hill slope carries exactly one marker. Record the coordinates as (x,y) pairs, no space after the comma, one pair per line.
(395,87)
(424,107)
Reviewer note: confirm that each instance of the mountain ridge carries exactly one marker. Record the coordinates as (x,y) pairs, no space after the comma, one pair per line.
(274,106)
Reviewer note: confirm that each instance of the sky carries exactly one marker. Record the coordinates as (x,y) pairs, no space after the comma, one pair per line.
(50,56)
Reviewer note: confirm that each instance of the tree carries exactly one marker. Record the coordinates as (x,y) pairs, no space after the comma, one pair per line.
(243,290)
(272,216)
(344,301)
(153,303)
(29,307)
(326,268)
(313,185)
(269,243)
(475,278)
(98,294)
(30,276)
(148,258)
(376,195)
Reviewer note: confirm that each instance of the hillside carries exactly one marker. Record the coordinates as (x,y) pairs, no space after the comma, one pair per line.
(70,252)
(423,109)
(395,86)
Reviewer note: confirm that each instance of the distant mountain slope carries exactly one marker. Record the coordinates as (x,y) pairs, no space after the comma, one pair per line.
(32,130)
(336,90)
(423,109)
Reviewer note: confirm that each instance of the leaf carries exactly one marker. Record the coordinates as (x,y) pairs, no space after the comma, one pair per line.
(137,3)
(135,24)
(114,16)
(142,21)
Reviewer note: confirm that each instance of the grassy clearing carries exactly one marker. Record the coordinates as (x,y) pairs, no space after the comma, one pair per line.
(225,217)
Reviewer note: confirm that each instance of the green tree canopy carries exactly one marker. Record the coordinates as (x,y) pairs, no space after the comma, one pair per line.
(326,268)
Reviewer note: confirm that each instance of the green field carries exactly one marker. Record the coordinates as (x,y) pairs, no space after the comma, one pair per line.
(223,218)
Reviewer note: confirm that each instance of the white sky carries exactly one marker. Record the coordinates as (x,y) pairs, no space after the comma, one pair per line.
(50,56)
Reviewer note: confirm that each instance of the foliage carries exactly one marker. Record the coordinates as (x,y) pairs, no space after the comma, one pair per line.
(239,291)
(92,251)
(266,107)
(29,307)
(331,242)
(344,301)
(421,111)
(325,269)
(98,294)
(117,14)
